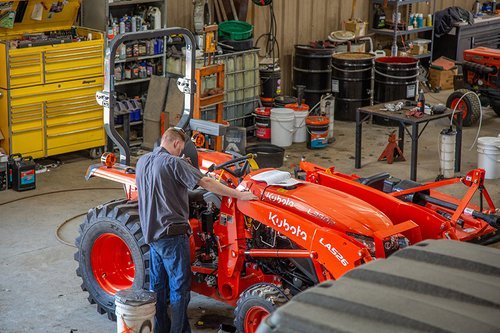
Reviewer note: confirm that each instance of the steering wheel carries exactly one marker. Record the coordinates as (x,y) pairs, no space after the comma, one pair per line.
(239,171)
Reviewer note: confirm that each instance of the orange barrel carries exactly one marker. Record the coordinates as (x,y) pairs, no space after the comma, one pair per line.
(263,123)
(317,132)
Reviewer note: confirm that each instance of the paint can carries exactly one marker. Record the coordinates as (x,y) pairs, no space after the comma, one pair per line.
(263,123)
(317,132)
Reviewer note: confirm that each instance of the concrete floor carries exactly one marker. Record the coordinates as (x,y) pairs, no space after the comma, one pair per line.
(39,291)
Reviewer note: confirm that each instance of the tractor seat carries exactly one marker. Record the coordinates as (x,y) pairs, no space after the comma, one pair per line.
(376,181)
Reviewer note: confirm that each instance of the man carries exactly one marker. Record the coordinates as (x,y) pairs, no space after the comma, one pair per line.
(163,180)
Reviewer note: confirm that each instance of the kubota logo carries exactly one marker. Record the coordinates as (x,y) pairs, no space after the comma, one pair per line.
(334,251)
(285,225)
(279,199)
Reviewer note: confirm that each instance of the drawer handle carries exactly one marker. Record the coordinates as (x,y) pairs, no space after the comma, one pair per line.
(35,109)
(76,122)
(61,108)
(62,113)
(25,64)
(73,59)
(17,121)
(74,132)
(19,59)
(96,52)
(95,47)
(15,76)
(15,107)
(72,69)
(33,129)
(62,90)
(77,99)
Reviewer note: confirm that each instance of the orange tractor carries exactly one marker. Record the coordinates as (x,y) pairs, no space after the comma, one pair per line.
(254,255)
(481,73)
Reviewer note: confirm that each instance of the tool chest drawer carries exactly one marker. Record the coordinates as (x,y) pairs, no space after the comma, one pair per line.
(49,64)
(54,118)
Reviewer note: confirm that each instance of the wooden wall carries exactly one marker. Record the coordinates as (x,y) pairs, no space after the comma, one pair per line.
(298,21)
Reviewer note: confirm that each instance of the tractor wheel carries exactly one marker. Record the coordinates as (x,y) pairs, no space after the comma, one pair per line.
(255,304)
(469,106)
(111,253)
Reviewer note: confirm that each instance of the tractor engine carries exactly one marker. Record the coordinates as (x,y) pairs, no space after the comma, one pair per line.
(297,274)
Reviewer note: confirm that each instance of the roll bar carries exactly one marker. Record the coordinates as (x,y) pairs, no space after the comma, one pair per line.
(107,99)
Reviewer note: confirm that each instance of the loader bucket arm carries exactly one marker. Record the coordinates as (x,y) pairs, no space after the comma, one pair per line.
(106,98)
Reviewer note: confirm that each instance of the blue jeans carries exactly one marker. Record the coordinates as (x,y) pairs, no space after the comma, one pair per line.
(170,278)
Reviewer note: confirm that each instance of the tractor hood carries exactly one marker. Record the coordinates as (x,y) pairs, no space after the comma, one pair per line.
(325,206)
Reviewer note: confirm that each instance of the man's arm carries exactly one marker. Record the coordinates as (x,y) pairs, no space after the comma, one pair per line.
(214,186)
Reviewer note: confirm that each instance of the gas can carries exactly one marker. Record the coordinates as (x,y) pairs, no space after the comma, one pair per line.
(22,172)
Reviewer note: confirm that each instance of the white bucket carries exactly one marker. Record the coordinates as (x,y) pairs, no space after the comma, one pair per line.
(282,121)
(135,311)
(299,127)
(488,156)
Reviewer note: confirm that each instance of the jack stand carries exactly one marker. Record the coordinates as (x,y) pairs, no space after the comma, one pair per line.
(392,152)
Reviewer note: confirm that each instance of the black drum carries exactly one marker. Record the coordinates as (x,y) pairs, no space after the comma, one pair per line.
(311,68)
(352,75)
(395,78)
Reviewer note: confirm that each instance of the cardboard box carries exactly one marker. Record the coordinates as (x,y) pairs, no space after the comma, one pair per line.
(442,78)
(358,27)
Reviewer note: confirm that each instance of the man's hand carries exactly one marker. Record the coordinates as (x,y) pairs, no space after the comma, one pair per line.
(245,196)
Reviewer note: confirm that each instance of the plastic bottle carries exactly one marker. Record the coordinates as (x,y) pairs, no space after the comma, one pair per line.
(421,101)
(134,24)
(429,20)
(420,21)
(122,26)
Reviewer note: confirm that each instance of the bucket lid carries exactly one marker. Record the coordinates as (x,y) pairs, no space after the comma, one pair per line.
(397,60)
(353,56)
(281,112)
(263,111)
(135,297)
(489,141)
(297,107)
(317,120)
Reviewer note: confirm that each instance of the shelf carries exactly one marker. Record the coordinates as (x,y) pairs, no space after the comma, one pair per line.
(129,2)
(390,32)
(139,58)
(132,123)
(400,3)
(125,82)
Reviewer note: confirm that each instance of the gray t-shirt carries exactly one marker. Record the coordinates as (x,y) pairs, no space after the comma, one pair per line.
(163,181)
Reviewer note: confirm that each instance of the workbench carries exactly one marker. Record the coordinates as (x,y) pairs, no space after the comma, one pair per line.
(485,31)
(364,113)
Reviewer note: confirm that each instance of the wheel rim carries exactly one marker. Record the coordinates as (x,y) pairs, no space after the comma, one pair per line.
(112,263)
(462,106)
(254,317)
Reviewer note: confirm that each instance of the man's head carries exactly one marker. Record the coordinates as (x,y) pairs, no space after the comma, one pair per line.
(173,141)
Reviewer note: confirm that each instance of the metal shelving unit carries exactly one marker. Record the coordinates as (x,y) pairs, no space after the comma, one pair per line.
(396,33)
(96,14)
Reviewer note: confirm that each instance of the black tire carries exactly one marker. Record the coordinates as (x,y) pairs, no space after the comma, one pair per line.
(473,107)
(117,219)
(496,107)
(264,295)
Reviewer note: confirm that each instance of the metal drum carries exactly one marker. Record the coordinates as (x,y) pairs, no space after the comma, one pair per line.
(395,78)
(352,75)
(311,68)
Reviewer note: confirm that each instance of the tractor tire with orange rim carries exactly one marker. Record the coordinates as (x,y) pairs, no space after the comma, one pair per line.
(111,253)
(469,105)
(255,304)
